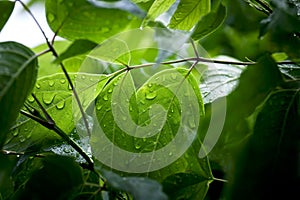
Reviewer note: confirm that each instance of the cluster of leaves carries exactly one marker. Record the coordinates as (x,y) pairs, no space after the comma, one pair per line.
(50,148)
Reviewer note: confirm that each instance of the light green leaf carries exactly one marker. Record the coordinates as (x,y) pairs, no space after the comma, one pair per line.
(150,129)
(56,96)
(157,8)
(209,23)
(18,71)
(85,20)
(6,8)
(188,13)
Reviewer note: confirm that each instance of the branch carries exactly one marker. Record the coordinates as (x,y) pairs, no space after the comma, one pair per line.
(51,48)
(49,123)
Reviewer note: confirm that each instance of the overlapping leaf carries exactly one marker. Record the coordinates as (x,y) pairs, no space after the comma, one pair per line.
(188,13)
(6,8)
(18,71)
(55,94)
(87,20)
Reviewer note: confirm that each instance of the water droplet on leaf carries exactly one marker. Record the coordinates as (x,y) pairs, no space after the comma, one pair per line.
(151,95)
(60,105)
(51,83)
(48,98)
(105,97)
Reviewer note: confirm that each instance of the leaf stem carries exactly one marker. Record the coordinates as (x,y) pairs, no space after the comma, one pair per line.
(221,180)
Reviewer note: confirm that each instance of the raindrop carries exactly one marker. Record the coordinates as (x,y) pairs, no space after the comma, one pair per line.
(48,98)
(109,90)
(99,106)
(105,97)
(174,76)
(151,95)
(16,132)
(170,154)
(22,138)
(83,76)
(60,105)
(38,86)
(130,108)
(69,86)
(62,81)
(30,99)
(138,146)
(51,83)
(51,17)
(28,135)
(150,85)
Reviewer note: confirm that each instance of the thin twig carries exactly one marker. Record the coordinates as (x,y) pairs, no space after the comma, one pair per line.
(51,48)
(8,152)
(49,123)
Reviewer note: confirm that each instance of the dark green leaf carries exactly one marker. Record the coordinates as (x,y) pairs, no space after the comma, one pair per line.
(186,186)
(6,8)
(270,162)
(255,84)
(209,22)
(78,47)
(84,20)
(56,179)
(140,188)
(188,13)
(6,168)
(18,71)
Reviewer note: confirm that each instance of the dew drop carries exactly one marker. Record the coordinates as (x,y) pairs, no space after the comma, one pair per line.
(138,146)
(22,139)
(51,83)
(28,135)
(99,106)
(38,86)
(151,95)
(170,154)
(62,81)
(69,86)
(48,98)
(174,76)
(30,99)
(51,17)
(150,85)
(16,132)
(60,105)
(109,90)
(105,97)
(192,123)
(130,108)
(83,77)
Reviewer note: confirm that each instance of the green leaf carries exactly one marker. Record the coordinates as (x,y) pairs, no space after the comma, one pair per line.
(87,20)
(188,13)
(78,47)
(6,169)
(56,96)
(270,162)
(185,186)
(157,8)
(148,131)
(209,22)
(6,8)
(47,180)
(255,84)
(220,80)
(18,71)
(139,187)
